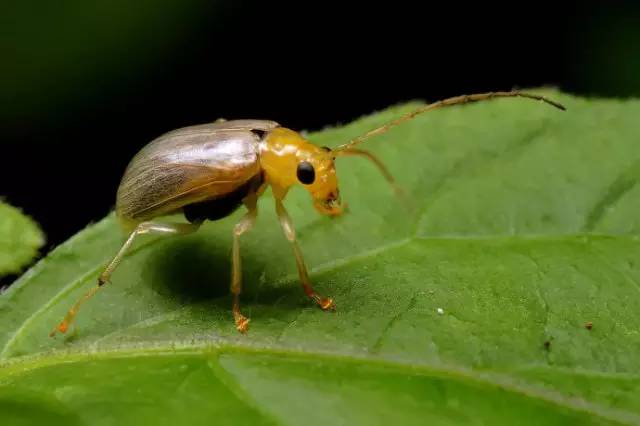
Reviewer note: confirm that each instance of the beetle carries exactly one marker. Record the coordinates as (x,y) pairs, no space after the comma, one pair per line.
(207,171)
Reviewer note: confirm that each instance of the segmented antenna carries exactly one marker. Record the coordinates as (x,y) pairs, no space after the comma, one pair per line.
(457,100)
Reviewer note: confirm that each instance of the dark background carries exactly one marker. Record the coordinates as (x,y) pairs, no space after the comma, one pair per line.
(84,85)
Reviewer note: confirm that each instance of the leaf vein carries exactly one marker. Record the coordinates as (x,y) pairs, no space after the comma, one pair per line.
(479,159)
(375,348)
(624,183)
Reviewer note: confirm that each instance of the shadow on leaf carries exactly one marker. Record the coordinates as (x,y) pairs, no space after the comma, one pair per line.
(189,270)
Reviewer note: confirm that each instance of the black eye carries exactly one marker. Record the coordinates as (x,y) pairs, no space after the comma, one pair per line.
(306,173)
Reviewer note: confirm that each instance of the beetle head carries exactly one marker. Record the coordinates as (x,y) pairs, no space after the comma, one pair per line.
(288,159)
(317,173)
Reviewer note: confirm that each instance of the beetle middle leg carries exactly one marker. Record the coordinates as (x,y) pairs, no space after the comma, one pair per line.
(143,228)
(326,303)
(245,224)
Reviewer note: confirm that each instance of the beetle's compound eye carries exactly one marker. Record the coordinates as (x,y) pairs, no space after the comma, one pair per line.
(306,173)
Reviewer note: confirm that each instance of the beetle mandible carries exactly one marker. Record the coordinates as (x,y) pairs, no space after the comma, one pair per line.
(207,171)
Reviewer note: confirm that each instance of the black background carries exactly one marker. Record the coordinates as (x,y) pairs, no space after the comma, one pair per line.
(84,86)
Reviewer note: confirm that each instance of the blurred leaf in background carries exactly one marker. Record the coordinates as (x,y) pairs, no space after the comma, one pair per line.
(20,240)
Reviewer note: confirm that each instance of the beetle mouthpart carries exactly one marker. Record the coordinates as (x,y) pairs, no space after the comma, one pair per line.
(330,206)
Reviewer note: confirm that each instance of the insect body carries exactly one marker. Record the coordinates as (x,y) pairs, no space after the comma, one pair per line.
(208,171)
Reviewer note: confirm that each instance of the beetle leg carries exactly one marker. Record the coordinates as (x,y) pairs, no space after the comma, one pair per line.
(325,303)
(245,224)
(143,228)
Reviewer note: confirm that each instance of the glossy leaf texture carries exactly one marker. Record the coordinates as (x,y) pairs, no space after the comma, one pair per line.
(20,239)
(466,303)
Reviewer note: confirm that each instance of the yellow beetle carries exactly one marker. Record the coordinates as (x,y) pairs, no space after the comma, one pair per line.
(207,171)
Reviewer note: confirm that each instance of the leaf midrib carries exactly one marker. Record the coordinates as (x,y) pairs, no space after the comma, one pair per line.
(243,397)
(25,364)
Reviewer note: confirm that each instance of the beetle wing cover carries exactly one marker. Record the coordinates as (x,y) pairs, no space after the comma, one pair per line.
(189,165)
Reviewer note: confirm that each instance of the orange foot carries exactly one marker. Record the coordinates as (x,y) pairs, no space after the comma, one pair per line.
(242,323)
(326,304)
(62,328)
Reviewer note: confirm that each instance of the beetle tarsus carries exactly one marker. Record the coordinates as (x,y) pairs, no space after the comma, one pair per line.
(60,328)
(56,329)
(327,304)
(242,322)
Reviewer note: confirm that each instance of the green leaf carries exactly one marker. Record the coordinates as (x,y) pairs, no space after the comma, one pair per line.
(469,308)
(20,239)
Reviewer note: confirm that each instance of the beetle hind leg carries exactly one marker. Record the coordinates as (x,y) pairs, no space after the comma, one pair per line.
(143,228)
(245,224)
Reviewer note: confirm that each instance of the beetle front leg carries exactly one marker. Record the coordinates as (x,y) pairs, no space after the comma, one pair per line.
(245,224)
(105,276)
(325,303)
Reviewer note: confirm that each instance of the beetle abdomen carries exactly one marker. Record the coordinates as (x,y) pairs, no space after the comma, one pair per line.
(222,206)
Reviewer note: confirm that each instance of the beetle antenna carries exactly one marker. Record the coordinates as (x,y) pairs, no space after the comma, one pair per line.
(457,100)
(397,189)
